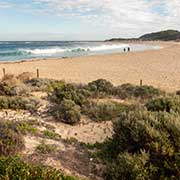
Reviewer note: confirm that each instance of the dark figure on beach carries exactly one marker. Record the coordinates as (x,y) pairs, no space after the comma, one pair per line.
(124,49)
(128,49)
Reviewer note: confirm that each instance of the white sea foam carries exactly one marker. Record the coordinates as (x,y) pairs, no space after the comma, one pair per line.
(108,47)
(57,50)
(43,51)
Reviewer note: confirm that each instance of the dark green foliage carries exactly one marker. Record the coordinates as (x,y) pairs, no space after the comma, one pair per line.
(19,90)
(5,89)
(70,92)
(162,35)
(101,86)
(13,90)
(131,167)
(168,104)
(103,111)
(46,148)
(13,168)
(129,91)
(39,84)
(17,102)
(11,140)
(25,127)
(67,111)
(50,134)
(147,147)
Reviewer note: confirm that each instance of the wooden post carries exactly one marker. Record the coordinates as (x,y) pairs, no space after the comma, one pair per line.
(37,73)
(141,82)
(4,71)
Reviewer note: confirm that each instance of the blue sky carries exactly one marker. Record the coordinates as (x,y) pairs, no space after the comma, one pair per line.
(85,19)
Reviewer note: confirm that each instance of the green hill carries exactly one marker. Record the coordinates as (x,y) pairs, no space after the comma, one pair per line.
(168,35)
(162,35)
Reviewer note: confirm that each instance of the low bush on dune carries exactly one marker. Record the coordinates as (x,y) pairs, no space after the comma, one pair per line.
(103,111)
(69,92)
(101,87)
(39,84)
(130,91)
(17,103)
(46,148)
(14,90)
(14,168)
(11,140)
(145,145)
(168,104)
(67,111)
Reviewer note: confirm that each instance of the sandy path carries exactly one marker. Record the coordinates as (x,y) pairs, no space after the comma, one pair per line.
(160,68)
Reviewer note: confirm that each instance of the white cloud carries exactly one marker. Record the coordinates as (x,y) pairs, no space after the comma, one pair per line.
(136,16)
(5,5)
(115,17)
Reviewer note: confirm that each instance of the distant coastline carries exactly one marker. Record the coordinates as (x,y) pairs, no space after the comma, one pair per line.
(167,35)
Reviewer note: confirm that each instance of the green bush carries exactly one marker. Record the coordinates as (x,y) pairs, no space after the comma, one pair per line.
(5,89)
(46,148)
(67,111)
(40,84)
(26,127)
(13,168)
(50,134)
(17,102)
(147,146)
(70,92)
(168,104)
(11,140)
(101,86)
(14,90)
(19,90)
(129,91)
(103,111)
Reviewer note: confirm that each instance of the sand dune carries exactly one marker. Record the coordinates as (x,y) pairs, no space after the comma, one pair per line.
(160,68)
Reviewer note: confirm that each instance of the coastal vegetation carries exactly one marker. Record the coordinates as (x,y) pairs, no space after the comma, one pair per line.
(140,139)
(167,35)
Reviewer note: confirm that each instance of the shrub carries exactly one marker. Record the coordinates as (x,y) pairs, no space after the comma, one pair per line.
(147,146)
(168,104)
(15,168)
(39,84)
(19,90)
(15,90)
(17,102)
(25,127)
(70,92)
(67,111)
(129,91)
(131,167)
(11,140)
(46,148)
(103,111)
(50,134)
(5,89)
(101,86)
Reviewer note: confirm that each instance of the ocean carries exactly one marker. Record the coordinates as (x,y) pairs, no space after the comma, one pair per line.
(25,50)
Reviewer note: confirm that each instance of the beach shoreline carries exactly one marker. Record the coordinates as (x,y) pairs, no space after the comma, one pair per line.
(160,67)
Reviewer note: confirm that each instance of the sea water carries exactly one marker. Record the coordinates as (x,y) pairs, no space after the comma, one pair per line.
(25,50)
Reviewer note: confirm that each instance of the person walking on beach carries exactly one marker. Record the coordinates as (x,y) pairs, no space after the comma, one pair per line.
(124,49)
(128,49)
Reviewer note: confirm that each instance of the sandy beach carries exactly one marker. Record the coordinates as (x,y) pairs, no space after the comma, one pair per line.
(160,68)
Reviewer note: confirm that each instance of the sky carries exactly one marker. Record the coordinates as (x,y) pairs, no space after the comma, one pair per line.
(85,19)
